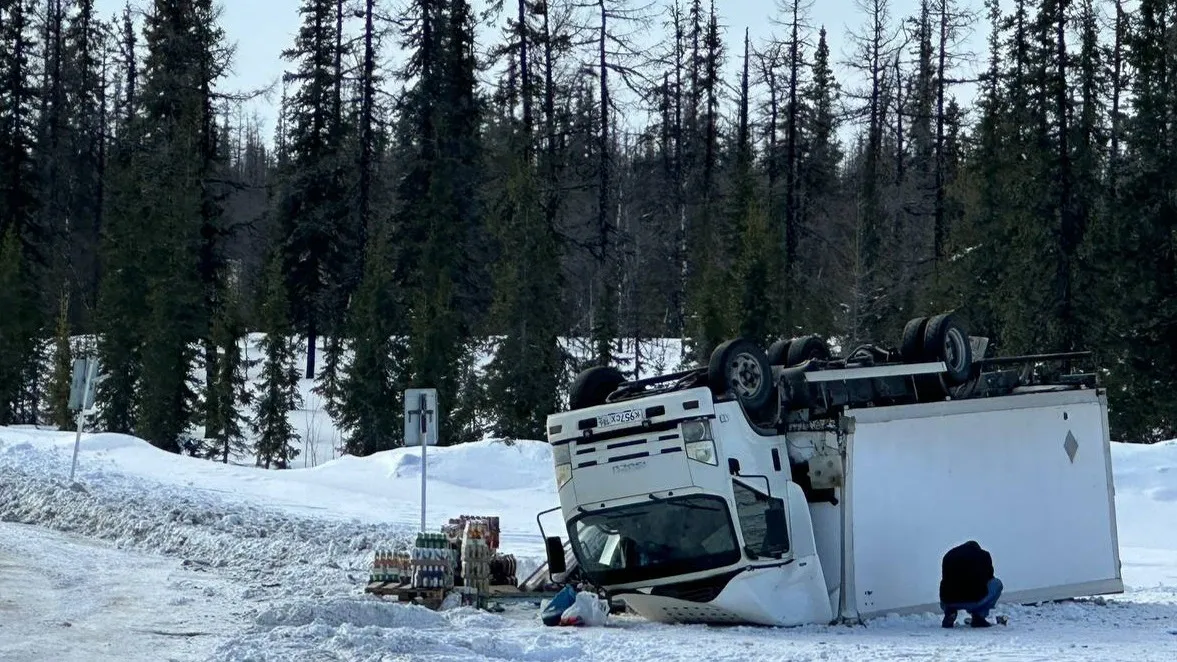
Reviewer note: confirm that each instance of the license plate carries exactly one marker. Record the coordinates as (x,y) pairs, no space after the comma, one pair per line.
(616,418)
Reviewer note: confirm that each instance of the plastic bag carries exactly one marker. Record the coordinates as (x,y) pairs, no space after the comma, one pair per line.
(551,612)
(452,600)
(588,610)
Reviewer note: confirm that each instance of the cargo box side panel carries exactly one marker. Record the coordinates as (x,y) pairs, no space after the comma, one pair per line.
(1030,484)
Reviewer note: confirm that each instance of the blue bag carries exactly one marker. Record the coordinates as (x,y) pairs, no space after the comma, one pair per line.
(563,600)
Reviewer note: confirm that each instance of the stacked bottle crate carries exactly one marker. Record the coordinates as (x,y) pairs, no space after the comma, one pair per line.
(390,566)
(433,561)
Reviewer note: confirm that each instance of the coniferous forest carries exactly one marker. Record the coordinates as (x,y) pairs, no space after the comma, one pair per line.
(450,180)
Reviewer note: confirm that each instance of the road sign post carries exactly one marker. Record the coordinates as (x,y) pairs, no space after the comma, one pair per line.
(421,428)
(81,399)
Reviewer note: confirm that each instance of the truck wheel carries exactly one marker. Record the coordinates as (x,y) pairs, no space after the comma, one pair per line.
(778,352)
(806,348)
(911,349)
(593,385)
(741,369)
(946,340)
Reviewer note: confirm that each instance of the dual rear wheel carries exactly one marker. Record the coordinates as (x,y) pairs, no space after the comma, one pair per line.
(939,338)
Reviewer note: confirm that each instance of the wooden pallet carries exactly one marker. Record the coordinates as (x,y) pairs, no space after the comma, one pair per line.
(405,592)
(432,597)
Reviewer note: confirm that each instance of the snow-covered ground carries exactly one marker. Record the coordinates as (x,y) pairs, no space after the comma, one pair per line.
(151,556)
(71,597)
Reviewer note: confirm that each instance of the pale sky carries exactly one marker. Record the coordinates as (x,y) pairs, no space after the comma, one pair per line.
(261,29)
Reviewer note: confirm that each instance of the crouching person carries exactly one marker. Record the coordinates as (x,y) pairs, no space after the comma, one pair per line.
(967,584)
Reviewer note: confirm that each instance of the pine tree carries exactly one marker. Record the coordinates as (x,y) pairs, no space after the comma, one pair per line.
(123,252)
(1142,354)
(62,377)
(869,277)
(320,242)
(820,193)
(371,384)
(440,209)
(228,392)
(708,301)
(86,42)
(757,256)
(524,377)
(527,369)
(278,387)
(16,337)
(24,239)
(184,60)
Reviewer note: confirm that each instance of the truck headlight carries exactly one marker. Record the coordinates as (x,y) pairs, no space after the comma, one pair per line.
(693,431)
(702,451)
(697,441)
(563,474)
(562,458)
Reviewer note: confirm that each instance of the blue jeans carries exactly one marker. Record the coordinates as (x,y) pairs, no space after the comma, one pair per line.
(979,609)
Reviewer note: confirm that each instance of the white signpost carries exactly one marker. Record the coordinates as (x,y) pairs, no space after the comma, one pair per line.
(421,428)
(81,399)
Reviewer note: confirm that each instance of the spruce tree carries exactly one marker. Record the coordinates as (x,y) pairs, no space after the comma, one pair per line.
(369,412)
(439,220)
(278,387)
(62,376)
(709,303)
(525,375)
(760,311)
(123,251)
(85,81)
(821,191)
(1142,354)
(184,61)
(228,392)
(319,239)
(24,239)
(17,332)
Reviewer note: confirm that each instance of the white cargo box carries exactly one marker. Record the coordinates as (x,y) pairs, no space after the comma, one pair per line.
(1028,476)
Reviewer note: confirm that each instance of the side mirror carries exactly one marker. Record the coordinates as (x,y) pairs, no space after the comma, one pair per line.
(733,466)
(555,549)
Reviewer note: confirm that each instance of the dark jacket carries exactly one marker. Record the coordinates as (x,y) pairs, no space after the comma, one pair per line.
(965,574)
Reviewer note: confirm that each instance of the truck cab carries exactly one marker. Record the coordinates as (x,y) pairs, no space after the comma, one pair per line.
(716,495)
(678,495)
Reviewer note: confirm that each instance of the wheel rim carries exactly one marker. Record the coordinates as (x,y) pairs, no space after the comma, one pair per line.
(745,375)
(954,350)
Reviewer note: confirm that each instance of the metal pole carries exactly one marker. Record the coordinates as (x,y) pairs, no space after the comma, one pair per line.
(81,417)
(421,405)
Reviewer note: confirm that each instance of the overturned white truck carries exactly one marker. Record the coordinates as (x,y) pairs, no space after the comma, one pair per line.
(791,487)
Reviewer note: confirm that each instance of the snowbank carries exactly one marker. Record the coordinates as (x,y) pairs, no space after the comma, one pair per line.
(140,496)
(1146,510)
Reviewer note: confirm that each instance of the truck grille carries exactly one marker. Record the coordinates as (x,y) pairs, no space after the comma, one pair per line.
(626,449)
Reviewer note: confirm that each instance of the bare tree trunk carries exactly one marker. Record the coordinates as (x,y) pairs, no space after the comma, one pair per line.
(940,231)
(367,139)
(792,211)
(525,78)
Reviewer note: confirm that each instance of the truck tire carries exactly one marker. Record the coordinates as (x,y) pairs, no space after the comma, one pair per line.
(946,340)
(806,348)
(741,369)
(911,348)
(593,385)
(778,352)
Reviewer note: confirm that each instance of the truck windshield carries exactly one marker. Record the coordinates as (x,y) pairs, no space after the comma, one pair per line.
(656,539)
